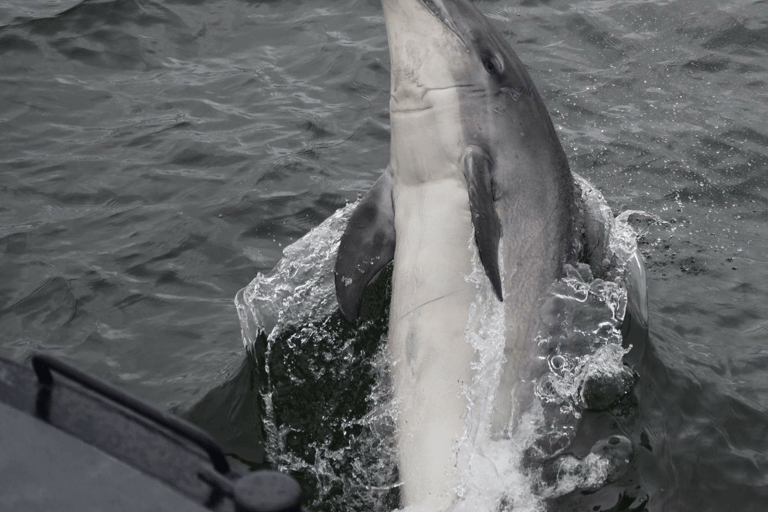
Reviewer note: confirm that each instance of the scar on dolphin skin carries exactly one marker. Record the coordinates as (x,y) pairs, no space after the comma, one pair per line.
(409,110)
(429,302)
(426,90)
(515,92)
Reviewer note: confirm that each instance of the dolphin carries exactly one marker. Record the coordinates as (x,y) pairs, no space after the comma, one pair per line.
(473,150)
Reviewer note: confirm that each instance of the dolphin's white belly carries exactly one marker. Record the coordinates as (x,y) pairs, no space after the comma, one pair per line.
(428,317)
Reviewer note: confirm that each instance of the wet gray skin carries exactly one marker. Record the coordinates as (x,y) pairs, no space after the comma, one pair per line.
(473,149)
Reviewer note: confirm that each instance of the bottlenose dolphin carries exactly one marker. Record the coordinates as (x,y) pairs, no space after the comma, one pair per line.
(473,149)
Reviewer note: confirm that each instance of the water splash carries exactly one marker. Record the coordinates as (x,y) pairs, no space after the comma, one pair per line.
(490,475)
(329,414)
(299,288)
(580,338)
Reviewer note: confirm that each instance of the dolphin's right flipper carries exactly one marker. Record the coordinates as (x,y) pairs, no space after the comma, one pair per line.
(477,171)
(367,245)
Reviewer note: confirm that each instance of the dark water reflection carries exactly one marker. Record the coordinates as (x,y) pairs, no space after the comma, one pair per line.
(157,154)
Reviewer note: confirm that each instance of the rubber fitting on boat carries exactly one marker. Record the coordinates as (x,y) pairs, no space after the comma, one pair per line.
(267,491)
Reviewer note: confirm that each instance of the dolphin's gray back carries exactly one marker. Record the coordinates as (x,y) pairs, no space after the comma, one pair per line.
(532,190)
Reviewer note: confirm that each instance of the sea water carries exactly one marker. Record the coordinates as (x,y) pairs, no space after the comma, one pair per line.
(158,154)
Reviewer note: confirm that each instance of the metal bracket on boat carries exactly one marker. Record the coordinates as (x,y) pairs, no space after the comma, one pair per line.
(44,364)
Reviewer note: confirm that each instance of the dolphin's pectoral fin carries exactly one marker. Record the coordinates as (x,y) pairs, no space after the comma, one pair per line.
(367,245)
(477,171)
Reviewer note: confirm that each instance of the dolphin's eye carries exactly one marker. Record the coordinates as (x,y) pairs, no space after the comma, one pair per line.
(492,64)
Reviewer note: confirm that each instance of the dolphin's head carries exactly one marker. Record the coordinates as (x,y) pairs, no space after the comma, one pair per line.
(442,44)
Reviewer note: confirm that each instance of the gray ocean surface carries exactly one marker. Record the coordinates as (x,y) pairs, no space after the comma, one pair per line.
(156,154)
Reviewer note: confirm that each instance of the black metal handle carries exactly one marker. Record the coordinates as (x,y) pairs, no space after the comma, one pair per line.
(43,364)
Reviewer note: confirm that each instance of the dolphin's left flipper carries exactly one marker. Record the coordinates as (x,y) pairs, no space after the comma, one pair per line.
(477,171)
(367,245)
